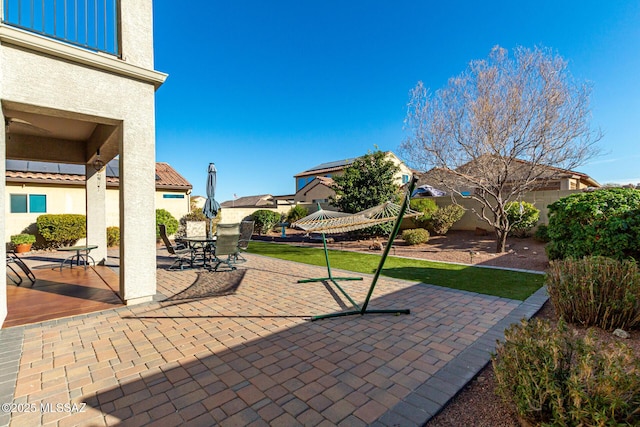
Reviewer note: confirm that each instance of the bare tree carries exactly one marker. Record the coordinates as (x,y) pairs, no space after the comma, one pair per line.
(503,127)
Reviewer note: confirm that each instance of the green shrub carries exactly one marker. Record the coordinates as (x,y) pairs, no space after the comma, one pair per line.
(113,236)
(415,236)
(442,219)
(542,233)
(603,222)
(425,205)
(197,215)
(555,378)
(62,229)
(164,217)
(265,220)
(522,217)
(21,239)
(596,291)
(295,213)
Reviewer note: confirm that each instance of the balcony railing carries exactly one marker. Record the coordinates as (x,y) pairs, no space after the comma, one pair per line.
(91,24)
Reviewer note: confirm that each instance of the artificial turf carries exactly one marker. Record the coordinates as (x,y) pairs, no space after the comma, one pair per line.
(502,283)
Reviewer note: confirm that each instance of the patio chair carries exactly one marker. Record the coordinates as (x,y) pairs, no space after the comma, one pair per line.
(14,276)
(227,237)
(246,231)
(183,254)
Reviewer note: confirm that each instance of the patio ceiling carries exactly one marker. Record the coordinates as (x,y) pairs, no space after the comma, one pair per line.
(32,132)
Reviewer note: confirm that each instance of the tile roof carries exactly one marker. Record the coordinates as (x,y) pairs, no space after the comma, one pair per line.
(250,201)
(166,177)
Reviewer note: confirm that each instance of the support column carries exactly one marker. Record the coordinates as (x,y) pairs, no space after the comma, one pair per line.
(96,213)
(4,204)
(137,209)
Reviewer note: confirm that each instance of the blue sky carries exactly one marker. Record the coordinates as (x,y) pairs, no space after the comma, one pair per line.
(267,89)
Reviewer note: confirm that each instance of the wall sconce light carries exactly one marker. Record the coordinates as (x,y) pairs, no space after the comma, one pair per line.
(98,164)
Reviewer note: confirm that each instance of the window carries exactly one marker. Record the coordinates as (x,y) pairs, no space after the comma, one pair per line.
(33,203)
(173,196)
(405,179)
(304,181)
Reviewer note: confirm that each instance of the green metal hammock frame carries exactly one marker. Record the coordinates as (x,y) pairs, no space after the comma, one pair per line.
(325,222)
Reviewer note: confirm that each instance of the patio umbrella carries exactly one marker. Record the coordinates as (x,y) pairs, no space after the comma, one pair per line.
(211,207)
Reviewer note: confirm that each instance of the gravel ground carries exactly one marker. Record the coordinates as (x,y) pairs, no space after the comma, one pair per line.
(477,404)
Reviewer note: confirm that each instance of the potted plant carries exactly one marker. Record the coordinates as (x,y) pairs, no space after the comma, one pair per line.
(23,242)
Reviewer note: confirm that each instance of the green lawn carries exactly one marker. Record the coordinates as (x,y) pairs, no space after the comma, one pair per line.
(502,283)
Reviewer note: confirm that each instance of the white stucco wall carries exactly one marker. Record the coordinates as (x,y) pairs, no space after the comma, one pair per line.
(51,76)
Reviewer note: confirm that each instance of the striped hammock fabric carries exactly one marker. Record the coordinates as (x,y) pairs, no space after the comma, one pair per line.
(332,222)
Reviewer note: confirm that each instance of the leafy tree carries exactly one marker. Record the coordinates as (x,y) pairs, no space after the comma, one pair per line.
(503,127)
(366,183)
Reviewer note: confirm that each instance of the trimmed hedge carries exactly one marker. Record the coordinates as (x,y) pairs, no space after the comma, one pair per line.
(415,236)
(62,229)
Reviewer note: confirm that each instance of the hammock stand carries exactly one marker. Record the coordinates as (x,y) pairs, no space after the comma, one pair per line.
(337,222)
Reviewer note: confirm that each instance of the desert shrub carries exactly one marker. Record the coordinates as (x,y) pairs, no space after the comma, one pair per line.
(603,222)
(442,219)
(523,217)
(295,213)
(596,291)
(425,205)
(164,217)
(113,236)
(62,229)
(265,220)
(415,236)
(542,233)
(554,377)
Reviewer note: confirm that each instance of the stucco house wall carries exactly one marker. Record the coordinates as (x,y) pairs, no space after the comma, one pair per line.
(72,200)
(54,80)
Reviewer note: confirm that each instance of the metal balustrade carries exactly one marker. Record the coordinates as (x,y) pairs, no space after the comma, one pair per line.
(91,24)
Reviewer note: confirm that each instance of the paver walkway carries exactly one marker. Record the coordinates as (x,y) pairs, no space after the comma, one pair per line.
(236,348)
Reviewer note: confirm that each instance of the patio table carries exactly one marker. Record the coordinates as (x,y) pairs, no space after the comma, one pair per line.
(199,242)
(78,255)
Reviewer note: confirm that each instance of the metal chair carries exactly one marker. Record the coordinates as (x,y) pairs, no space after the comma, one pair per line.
(183,254)
(246,232)
(13,259)
(227,237)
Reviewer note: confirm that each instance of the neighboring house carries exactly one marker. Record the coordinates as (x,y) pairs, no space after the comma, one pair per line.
(36,188)
(315,184)
(550,177)
(67,98)
(198,201)
(263,200)
(319,190)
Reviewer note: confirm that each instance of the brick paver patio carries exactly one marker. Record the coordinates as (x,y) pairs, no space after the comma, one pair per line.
(237,348)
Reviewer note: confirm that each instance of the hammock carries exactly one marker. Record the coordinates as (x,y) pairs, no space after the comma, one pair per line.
(324,221)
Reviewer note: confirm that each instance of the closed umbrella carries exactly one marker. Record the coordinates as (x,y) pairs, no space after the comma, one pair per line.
(211,207)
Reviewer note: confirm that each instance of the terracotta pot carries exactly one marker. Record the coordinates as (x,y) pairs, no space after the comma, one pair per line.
(23,247)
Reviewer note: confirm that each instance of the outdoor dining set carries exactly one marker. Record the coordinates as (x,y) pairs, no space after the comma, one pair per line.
(201,249)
